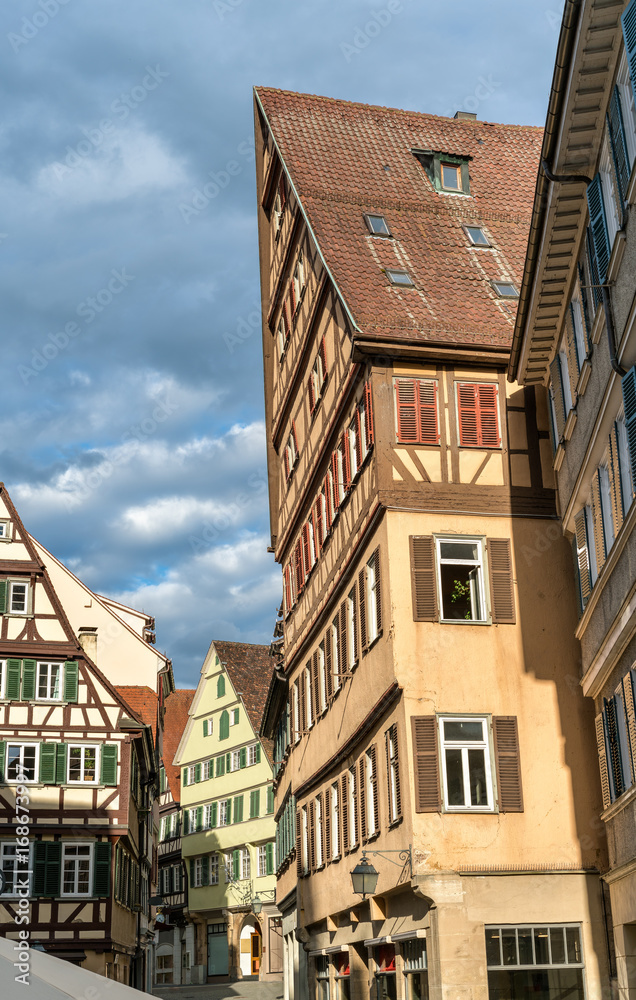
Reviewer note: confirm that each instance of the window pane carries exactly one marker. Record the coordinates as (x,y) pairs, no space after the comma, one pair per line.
(557,944)
(28,765)
(477,778)
(509,945)
(549,984)
(455,777)
(541,946)
(459,595)
(461,730)
(75,764)
(54,687)
(42,682)
(525,946)
(493,956)
(378,225)
(89,764)
(450,177)
(416,986)
(573,938)
(477,235)
(459,550)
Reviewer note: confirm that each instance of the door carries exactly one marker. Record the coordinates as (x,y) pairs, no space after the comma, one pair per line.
(218,955)
(256,954)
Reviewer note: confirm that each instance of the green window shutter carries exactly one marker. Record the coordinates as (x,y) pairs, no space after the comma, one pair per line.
(39,867)
(220,766)
(191,873)
(224,725)
(270,798)
(558,397)
(71,680)
(236,865)
(205,727)
(629,36)
(61,753)
(238,809)
(47,763)
(235,715)
(185,776)
(214,815)
(186,822)
(628,385)
(205,870)
(3,757)
(255,804)
(616,129)
(53,868)
(269,859)
(3,596)
(229,811)
(197,772)
(28,680)
(108,764)
(598,225)
(257,754)
(243,757)
(199,818)
(220,687)
(101,869)
(14,671)
(228,762)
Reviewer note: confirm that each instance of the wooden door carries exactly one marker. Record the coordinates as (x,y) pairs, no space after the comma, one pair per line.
(256,954)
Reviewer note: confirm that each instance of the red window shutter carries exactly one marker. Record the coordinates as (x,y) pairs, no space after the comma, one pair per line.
(362,599)
(467,412)
(358,438)
(488,415)
(368,411)
(344,811)
(346,463)
(323,357)
(477,408)
(423,582)
(426,764)
(508,763)
(502,596)
(288,588)
(306,550)
(363,798)
(295,437)
(405,406)
(298,563)
(428,422)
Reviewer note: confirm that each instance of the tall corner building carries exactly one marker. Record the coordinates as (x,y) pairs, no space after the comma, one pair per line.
(426,710)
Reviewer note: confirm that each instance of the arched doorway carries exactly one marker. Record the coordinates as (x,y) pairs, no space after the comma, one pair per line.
(251,947)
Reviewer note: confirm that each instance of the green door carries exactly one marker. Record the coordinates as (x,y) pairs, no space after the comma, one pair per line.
(218,956)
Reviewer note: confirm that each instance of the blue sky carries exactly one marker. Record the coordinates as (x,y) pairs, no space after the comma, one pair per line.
(131,425)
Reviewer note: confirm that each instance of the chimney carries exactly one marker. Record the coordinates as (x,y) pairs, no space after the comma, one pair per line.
(466,116)
(88,641)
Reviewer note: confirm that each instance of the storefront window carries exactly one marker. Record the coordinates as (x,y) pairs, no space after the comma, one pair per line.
(341,963)
(322,978)
(386,986)
(415,969)
(542,962)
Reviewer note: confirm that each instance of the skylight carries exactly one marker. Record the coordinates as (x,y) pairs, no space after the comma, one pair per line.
(399,277)
(377,225)
(476,236)
(505,289)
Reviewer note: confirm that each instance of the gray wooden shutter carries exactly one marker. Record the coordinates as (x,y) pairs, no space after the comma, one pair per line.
(508,763)
(108,764)
(426,764)
(101,869)
(582,556)
(28,680)
(71,680)
(423,582)
(602,760)
(598,225)
(363,797)
(362,602)
(616,129)
(629,35)
(502,597)
(558,397)
(628,385)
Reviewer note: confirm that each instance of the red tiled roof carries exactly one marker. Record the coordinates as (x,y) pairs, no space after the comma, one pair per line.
(345,159)
(143,702)
(174,723)
(249,668)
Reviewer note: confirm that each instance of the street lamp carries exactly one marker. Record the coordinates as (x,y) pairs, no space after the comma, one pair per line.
(364,877)
(257,905)
(257,902)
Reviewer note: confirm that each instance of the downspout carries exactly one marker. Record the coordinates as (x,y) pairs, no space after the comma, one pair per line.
(564,178)
(611,332)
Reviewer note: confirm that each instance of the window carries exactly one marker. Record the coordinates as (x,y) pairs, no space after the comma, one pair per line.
(22,761)
(5,531)
(466,763)
(304,845)
(224,812)
(253,754)
(627,108)
(606,173)
(18,598)
(319,830)
(505,289)
(476,236)
(296,711)
(354,447)
(298,283)
(3,677)
(373,609)
(352,628)
(246,866)
(76,870)
(566,383)
(322,677)
(317,376)
(341,963)
(192,774)
(451,177)
(613,738)
(228,864)
(262,860)
(322,977)
(15,864)
(393,776)
(291,453)
(307,692)
(377,225)
(335,653)
(416,411)
(415,968)
(214,869)
(279,204)
(335,822)
(371,791)
(208,727)
(82,764)
(578,322)
(208,770)
(398,277)
(514,956)
(478,415)
(49,677)
(235,760)
(234,717)
(461,584)
(352,808)
(385,979)
(606,506)
(625,471)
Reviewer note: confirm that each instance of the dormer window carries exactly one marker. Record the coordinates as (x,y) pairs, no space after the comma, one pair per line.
(451,177)
(505,289)
(279,205)
(476,236)
(399,277)
(448,173)
(5,531)
(377,225)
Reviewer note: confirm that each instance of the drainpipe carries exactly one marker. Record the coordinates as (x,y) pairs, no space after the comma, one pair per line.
(611,333)
(564,178)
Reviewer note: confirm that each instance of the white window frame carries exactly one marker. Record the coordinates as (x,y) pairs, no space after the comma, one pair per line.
(222,812)
(3,677)
(234,717)
(210,722)
(207,771)
(246,864)
(304,845)
(372,601)
(627,486)
(296,696)
(322,676)
(20,871)
(591,542)
(579,326)
(262,860)
(609,192)
(351,801)
(207,816)
(36,767)
(335,659)
(393,778)
(364,451)
(352,653)
(27,600)
(628,107)
(318,831)
(198,873)
(481,576)
(251,754)
(341,486)
(44,667)
(83,747)
(464,745)
(352,437)
(191,774)
(309,719)
(282,339)
(76,893)
(335,821)
(5,530)
(299,278)
(235,760)
(213,869)
(278,214)
(606,505)
(565,380)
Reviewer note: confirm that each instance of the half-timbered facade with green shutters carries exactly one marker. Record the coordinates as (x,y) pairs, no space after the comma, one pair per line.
(576,334)
(423,694)
(77,769)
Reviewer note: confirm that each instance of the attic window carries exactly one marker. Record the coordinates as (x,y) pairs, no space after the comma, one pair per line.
(377,225)
(448,173)
(505,289)
(451,177)
(400,278)
(476,236)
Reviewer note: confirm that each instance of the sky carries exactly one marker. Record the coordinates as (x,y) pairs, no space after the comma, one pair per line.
(132,435)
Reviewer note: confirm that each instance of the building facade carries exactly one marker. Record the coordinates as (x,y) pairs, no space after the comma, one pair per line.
(78,766)
(228,829)
(425,706)
(575,334)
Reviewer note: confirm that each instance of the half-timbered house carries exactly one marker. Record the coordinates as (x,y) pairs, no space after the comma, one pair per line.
(78,764)
(427,702)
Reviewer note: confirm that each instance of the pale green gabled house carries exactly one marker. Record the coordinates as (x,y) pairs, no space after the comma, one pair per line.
(227,800)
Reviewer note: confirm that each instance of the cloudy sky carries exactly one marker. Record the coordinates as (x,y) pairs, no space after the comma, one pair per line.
(131,424)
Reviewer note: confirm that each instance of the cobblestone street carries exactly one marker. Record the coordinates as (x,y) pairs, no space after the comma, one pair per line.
(246,989)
